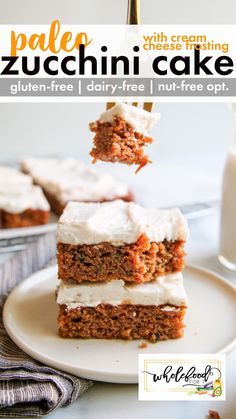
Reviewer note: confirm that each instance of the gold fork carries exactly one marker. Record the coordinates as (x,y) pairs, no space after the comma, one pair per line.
(133,18)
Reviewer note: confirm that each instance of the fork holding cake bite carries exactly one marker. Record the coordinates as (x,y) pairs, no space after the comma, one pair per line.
(121,133)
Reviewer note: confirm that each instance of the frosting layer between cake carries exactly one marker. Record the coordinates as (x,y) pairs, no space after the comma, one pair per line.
(118,222)
(164,290)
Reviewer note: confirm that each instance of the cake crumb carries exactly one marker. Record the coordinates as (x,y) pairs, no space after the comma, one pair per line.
(213,414)
(143,345)
(117,141)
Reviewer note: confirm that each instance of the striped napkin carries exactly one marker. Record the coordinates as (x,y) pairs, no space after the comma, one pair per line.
(27,387)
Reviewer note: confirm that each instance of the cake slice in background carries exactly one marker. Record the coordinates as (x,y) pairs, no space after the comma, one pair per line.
(22,204)
(68,179)
(121,133)
(119,240)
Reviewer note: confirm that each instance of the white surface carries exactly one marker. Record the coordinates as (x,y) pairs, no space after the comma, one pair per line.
(141,120)
(30,318)
(119,223)
(168,289)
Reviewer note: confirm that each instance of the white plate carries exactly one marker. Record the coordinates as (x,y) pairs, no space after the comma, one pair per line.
(30,319)
(11,233)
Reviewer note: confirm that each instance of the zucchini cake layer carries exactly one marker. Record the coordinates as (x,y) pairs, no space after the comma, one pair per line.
(119,240)
(115,309)
(68,179)
(121,133)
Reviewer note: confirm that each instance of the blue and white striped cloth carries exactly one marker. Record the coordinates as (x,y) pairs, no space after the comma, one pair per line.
(27,387)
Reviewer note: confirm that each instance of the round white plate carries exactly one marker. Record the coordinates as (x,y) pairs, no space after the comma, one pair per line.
(12,233)
(30,318)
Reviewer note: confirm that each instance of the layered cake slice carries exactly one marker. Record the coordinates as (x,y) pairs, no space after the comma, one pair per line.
(68,179)
(115,309)
(121,133)
(22,204)
(97,242)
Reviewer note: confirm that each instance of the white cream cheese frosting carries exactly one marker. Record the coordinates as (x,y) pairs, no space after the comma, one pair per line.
(18,201)
(17,193)
(119,223)
(167,290)
(10,177)
(141,121)
(70,179)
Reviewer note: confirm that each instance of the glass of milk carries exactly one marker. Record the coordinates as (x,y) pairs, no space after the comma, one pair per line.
(227,254)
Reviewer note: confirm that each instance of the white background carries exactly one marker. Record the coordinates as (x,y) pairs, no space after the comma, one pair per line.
(190,136)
